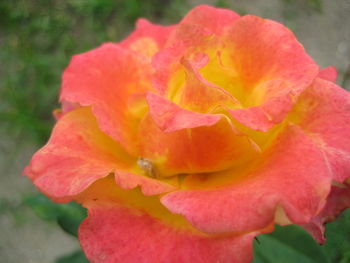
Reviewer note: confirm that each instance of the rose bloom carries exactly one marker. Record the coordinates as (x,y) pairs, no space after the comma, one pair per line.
(184,142)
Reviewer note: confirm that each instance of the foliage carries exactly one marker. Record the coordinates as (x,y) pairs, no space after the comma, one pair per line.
(76,257)
(292,244)
(68,216)
(38,39)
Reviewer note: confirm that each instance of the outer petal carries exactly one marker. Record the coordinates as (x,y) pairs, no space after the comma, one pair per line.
(147,38)
(263,50)
(337,201)
(119,229)
(329,73)
(293,175)
(272,66)
(324,112)
(201,23)
(78,154)
(215,20)
(105,78)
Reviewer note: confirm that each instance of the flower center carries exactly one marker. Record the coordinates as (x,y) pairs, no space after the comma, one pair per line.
(148,167)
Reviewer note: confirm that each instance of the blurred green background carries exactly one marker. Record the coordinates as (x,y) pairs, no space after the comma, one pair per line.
(37,39)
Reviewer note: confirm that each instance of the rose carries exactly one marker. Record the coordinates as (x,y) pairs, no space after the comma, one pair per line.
(225,124)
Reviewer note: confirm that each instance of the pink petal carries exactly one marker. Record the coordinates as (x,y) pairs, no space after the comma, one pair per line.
(178,150)
(324,112)
(169,117)
(105,78)
(126,227)
(78,154)
(145,29)
(213,19)
(293,175)
(329,73)
(149,186)
(337,201)
(272,66)
(265,116)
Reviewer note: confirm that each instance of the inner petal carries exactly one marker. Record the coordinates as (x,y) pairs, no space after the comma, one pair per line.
(193,150)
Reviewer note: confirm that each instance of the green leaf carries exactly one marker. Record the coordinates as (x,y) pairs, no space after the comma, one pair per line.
(76,257)
(42,206)
(337,245)
(288,244)
(68,216)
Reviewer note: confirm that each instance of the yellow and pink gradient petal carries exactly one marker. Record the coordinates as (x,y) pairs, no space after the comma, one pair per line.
(184,142)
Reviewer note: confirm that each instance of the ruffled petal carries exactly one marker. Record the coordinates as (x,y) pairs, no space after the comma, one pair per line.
(201,95)
(78,154)
(181,77)
(264,51)
(324,112)
(149,186)
(128,227)
(293,176)
(105,78)
(190,47)
(272,66)
(337,201)
(264,117)
(185,42)
(192,150)
(169,117)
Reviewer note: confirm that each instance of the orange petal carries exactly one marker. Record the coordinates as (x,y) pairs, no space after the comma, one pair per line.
(125,226)
(180,77)
(264,117)
(185,41)
(149,186)
(78,154)
(293,175)
(272,66)
(196,150)
(201,95)
(169,117)
(263,50)
(105,78)
(167,62)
